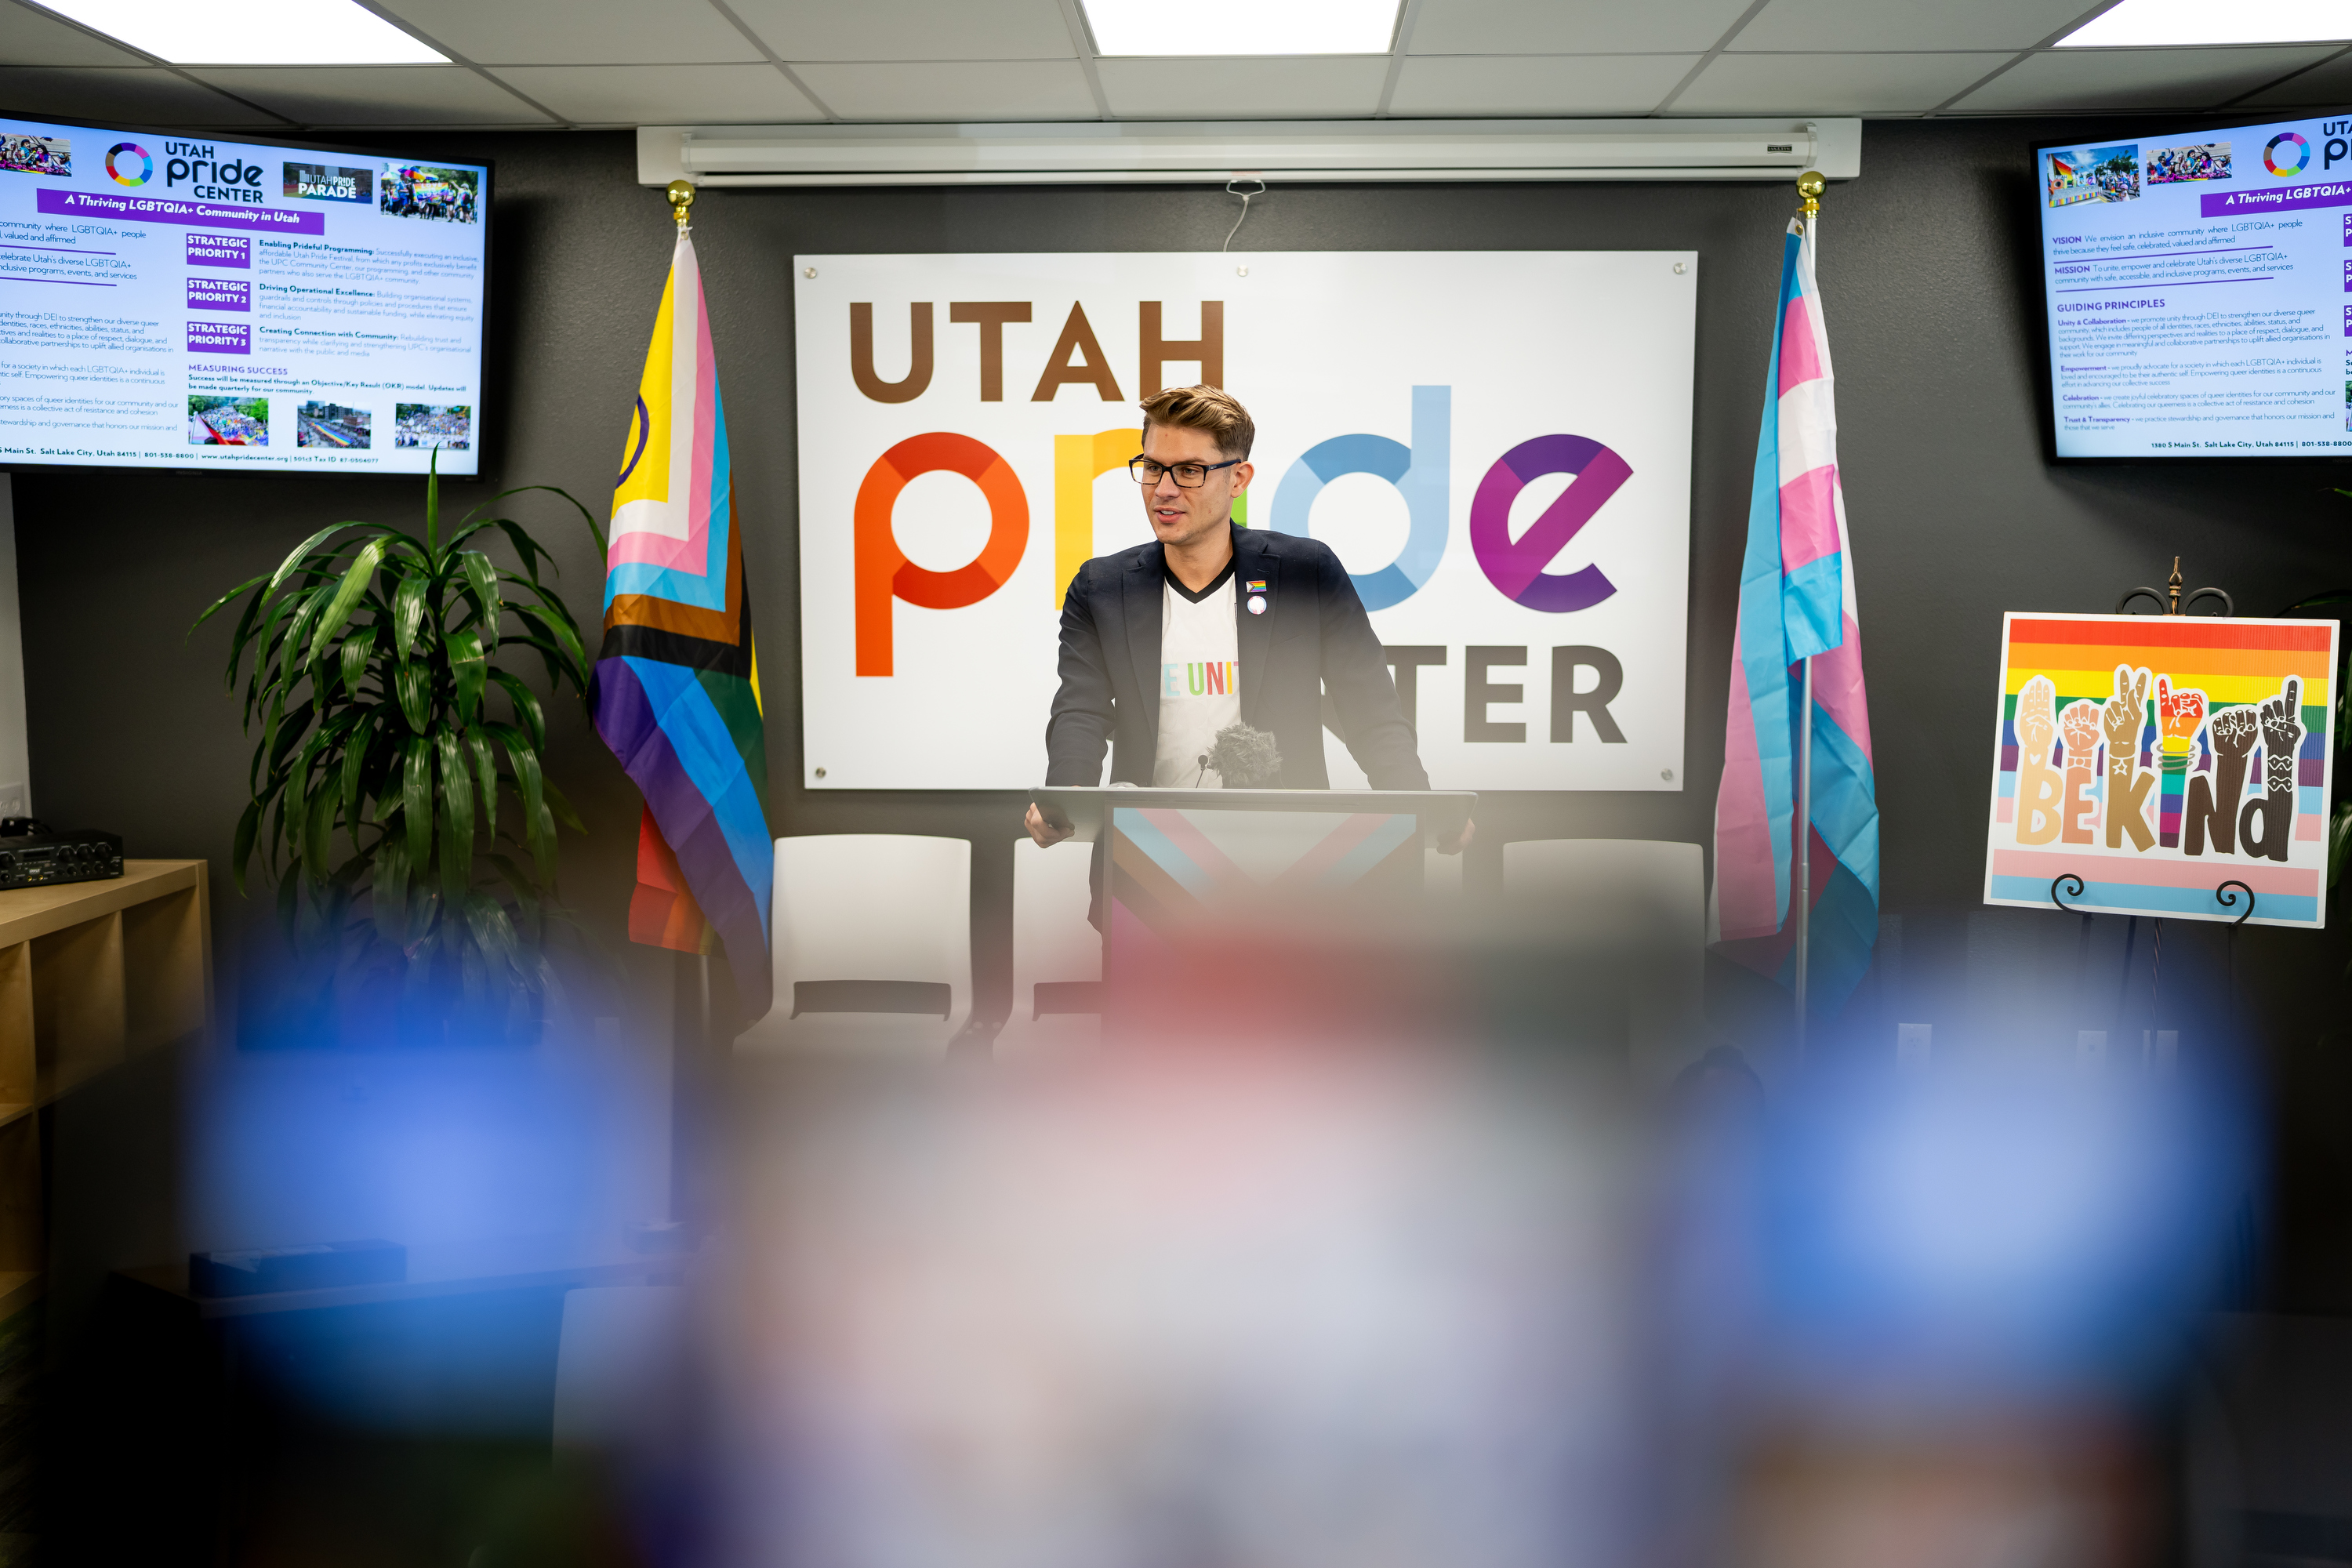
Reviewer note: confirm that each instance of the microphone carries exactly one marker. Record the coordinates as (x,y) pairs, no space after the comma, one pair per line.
(1245,757)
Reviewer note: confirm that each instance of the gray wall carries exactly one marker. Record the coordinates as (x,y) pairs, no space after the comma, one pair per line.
(1929,276)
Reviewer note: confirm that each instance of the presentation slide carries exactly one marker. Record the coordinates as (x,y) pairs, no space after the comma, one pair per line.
(192,302)
(2199,290)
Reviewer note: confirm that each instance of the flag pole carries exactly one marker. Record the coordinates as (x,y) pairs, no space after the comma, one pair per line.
(1804,837)
(1810,186)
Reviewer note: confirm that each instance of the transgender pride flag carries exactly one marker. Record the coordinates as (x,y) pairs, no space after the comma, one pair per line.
(676,690)
(1797,600)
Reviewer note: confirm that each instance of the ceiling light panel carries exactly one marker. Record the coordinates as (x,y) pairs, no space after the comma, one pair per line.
(1242,27)
(2162,24)
(252,32)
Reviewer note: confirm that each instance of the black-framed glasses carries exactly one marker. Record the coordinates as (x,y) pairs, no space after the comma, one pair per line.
(1188,475)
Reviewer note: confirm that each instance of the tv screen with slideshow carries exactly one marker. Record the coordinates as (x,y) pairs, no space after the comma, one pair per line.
(2198,290)
(194,301)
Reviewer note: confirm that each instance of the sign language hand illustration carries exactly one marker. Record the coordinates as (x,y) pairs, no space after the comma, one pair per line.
(2213,800)
(2266,824)
(2124,719)
(2178,716)
(2079,726)
(2038,784)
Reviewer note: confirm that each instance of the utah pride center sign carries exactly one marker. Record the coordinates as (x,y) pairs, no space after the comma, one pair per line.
(1497,443)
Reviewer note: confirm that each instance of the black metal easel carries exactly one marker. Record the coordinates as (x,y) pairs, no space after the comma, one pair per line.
(2169,601)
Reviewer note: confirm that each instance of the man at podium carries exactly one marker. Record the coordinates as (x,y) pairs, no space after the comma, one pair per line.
(1168,644)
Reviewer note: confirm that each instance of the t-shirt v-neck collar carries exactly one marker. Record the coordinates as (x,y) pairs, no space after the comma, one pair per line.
(1216,583)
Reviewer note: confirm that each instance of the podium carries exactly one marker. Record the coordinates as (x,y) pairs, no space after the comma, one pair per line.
(1175,866)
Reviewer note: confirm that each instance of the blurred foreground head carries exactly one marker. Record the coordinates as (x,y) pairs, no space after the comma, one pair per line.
(1278,1312)
(1340,1250)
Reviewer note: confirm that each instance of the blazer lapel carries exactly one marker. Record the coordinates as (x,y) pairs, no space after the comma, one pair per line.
(1253,634)
(1140,602)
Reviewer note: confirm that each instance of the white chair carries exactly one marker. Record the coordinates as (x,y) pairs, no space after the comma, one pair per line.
(873,944)
(619,1365)
(1636,903)
(1055,948)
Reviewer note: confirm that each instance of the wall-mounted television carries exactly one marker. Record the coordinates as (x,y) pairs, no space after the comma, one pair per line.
(195,301)
(2199,291)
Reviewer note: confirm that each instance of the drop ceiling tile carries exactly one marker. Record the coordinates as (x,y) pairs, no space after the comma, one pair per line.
(1569,27)
(911,29)
(2064,81)
(375,95)
(953,90)
(1832,84)
(579,31)
(1537,84)
(2328,86)
(30,37)
(153,95)
(1907,26)
(1309,85)
(663,95)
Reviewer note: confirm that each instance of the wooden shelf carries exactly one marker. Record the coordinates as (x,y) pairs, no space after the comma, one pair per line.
(91,973)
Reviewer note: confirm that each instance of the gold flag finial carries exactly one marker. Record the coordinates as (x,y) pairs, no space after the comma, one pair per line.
(1810,186)
(681,197)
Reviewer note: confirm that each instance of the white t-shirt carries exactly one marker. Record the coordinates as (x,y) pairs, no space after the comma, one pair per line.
(1200,681)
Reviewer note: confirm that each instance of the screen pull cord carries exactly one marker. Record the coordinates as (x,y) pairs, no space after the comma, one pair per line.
(1246,196)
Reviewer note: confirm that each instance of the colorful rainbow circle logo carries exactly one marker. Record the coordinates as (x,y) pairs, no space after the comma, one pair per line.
(146,163)
(2301,155)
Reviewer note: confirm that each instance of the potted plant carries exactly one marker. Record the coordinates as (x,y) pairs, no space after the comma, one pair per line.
(398,794)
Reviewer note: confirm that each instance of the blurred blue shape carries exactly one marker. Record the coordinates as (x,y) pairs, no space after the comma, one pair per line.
(1992,1235)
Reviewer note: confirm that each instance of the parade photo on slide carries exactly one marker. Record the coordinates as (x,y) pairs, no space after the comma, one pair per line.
(450,427)
(429,190)
(218,421)
(333,424)
(36,154)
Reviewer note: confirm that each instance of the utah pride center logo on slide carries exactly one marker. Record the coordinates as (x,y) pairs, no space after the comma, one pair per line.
(114,168)
(2279,166)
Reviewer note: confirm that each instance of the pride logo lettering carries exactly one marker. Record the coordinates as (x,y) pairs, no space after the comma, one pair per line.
(116,163)
(1517,567)
(1419,473)
(882,570)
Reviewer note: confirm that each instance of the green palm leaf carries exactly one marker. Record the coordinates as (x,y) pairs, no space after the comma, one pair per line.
(364,665)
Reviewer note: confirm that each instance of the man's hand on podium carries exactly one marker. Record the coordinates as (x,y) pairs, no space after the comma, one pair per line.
(1456,844)
(1047,831)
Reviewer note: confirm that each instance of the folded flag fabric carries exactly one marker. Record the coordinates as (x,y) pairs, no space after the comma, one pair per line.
(1797,601)
(676,690)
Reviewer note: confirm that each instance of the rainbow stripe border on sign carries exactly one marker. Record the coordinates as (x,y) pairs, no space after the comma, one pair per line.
(2070,673)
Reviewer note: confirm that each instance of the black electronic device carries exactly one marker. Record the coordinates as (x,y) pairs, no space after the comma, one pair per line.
(31,856)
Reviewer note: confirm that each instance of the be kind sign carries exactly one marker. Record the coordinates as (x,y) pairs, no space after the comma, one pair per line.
(2142,763)
(1497,446)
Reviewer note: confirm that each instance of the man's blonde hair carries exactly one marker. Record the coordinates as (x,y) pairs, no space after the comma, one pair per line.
(1212,410)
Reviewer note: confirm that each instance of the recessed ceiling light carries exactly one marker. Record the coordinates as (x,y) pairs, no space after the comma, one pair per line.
(2151,23)
(1242,27)
(252,32)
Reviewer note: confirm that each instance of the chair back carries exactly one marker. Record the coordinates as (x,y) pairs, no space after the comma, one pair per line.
(873,944)
(1057,955)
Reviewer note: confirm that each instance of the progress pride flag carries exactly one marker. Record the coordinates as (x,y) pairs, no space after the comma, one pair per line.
(163,209)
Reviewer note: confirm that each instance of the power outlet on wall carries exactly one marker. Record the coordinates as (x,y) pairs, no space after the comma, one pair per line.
(11,800)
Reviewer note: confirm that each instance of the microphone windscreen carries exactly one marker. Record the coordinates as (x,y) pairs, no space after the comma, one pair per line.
(1245,757)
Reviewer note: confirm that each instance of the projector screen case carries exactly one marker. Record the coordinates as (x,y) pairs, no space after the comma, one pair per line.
(1180,152)
(247,306)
